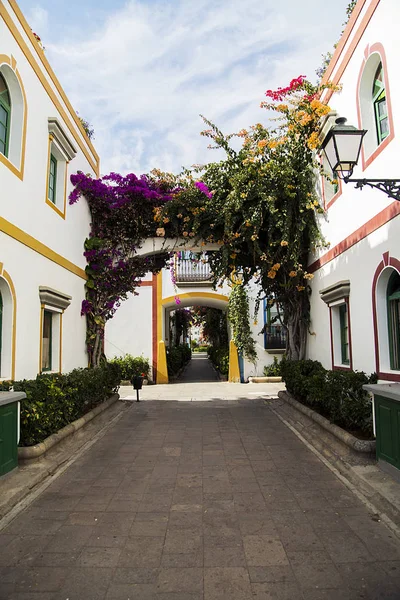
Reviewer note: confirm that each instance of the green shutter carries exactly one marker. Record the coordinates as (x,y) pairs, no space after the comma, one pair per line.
(344,334)
(5,116)
(380,106)
(393,315)
(52,179)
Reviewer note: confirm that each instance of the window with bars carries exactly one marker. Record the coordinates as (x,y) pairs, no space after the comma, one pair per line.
(5,116)
(47,340)
(52,179)
(380,105)
(393,309)
(344,334)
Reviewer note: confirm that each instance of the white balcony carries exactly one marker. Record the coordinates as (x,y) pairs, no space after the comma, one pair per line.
(193,272)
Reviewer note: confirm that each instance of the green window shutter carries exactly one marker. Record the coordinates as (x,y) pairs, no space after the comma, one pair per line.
(52,179)
(5,117)
(380,105)
(47,340)
(344,334)
(393,313)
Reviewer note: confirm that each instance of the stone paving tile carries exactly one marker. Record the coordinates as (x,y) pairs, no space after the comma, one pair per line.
(198,501)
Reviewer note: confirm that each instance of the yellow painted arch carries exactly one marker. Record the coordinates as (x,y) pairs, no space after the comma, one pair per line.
(194,296)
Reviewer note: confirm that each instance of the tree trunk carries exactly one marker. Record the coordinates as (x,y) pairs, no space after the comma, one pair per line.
(297,322)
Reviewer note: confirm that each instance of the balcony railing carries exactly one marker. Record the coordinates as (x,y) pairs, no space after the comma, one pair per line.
(189,271)
(275,340)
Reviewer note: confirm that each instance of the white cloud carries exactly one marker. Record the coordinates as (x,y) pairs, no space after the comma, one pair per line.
(146,73)
(38,19)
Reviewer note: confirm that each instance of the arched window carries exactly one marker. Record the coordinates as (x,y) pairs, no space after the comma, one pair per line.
(380,106)
(5,116)
(393,312)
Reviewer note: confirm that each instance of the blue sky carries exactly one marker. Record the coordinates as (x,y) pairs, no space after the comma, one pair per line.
(141,71)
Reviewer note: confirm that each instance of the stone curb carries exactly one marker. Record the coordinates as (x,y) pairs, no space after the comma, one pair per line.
(269,379)
(30,453)
(365,446)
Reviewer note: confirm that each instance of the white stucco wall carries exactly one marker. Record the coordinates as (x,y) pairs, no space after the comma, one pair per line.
(23,206)
(130,331)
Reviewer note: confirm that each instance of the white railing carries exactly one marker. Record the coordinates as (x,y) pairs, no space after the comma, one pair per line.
(189,271)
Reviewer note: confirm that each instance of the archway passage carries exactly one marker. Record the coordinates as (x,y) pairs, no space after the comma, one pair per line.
(203,329)
(199,370)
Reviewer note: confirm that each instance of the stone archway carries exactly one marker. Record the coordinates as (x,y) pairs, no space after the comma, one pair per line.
(197,298)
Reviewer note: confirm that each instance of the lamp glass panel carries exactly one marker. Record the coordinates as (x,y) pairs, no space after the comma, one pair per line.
(348,147)
(330,152)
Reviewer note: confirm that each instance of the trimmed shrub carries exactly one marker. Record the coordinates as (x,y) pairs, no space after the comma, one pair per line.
(177,357)
(219,358)
(337,395)
(55,400)
(132,366)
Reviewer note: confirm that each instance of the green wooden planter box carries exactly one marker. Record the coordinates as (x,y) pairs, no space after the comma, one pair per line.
(9,430)
(387,425)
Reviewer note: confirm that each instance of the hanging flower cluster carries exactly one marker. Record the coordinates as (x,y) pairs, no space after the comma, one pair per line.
(122,210)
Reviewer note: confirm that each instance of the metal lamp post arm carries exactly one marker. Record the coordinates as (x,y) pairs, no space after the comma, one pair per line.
(391,187)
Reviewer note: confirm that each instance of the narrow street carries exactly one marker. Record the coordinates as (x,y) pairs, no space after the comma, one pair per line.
(211,500)
(199,369)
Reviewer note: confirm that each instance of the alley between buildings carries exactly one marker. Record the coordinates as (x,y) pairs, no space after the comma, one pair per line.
(212,500)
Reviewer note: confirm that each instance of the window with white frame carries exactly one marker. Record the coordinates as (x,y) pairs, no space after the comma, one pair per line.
(373,103)
(11,115)
(53,305)
(60,152)
(337,299)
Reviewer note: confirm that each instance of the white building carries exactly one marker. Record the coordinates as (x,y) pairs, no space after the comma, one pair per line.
(355,302)
(42,265)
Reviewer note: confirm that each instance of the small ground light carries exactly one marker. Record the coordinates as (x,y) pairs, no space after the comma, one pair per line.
(137,383)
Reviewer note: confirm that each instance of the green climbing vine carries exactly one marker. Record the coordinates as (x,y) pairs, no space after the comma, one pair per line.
(239,318)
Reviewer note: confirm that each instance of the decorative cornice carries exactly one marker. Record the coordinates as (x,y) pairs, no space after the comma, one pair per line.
(54,298)
(337,291)
(61,138)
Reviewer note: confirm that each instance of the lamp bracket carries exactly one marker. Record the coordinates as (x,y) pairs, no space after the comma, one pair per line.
(391,187)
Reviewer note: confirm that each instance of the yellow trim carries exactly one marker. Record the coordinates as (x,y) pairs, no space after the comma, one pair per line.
(61,335)
(162,369)
(11,62)
(194,295)
(160,302)
(29,241)
(234,370)
(6,276)
(1,268)
(60,212)
(95,164)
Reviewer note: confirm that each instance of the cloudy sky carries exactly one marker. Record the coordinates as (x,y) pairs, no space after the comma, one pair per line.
(142,71)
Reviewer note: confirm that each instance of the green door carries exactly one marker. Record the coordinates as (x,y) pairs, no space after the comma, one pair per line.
(387,419)
(8,437)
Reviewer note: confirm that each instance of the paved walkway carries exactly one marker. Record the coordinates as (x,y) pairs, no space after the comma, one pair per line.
(199,369)
(198,501)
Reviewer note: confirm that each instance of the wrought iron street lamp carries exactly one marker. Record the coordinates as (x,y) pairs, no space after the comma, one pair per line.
(342,147)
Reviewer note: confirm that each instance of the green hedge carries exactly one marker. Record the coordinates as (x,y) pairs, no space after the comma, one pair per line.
(337,395)
(132,366)
(219,358)
(53,400)
(177,357)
